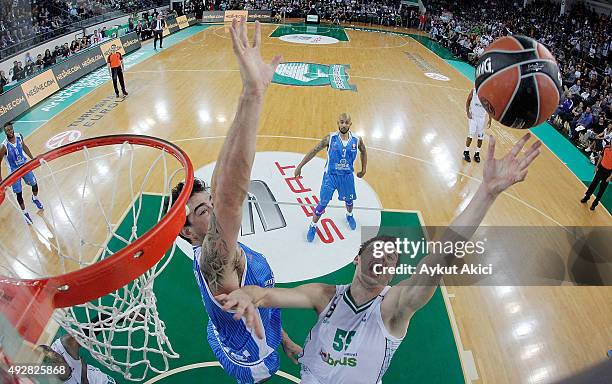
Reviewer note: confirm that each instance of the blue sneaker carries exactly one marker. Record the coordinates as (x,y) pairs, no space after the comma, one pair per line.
(311,234)
(351,222)
(37,203)
(28,219)
(610,353)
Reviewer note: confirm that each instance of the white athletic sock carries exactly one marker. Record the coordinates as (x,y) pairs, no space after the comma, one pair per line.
(313,224)
(477,150)
(467,149)
(34,198)
(349,213)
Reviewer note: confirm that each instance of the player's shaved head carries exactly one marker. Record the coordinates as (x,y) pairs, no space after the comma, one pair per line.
(344,116)
(344,122)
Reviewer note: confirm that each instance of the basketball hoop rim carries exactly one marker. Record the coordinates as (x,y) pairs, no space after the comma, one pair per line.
(121,268)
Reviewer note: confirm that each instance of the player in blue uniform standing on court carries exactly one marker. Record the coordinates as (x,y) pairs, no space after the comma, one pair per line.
(14,150)
(342,149)
(214,215)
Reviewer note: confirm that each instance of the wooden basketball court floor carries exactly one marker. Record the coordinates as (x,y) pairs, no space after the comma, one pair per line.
(414,127)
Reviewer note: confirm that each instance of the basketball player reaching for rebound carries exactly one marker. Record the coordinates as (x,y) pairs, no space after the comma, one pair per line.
(342,149)
(14,149)
(360,325)
(220,263)
(477,116)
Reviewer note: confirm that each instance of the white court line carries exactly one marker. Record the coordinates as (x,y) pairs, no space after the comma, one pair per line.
(468,364)
(205,365)
(407,82)
(466,358)
(29,121)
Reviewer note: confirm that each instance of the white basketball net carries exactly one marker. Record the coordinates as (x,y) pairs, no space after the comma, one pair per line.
(122,330)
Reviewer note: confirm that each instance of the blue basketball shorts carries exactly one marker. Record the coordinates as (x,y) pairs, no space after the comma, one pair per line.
(343,183)
(29,179)
(244,373)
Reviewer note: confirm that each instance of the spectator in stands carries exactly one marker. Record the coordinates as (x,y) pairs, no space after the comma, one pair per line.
(575,88)
(29,69)
(48,59)
(564,109)
(422,21)
(583,122)
(96,37)
(3,81)
(18,72)
(39,63)
(599,126)
(65,50)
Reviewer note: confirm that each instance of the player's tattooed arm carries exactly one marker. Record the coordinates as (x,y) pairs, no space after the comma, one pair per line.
(364,158)
(219,257)
(324,143)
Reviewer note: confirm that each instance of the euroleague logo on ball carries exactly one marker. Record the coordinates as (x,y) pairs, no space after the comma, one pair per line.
(486,67)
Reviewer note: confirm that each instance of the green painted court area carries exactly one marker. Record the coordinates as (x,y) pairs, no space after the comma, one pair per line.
(304,29)
(427,355)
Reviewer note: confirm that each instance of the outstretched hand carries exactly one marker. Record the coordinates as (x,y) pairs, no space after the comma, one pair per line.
(256,74)
(500,174)
(242,306)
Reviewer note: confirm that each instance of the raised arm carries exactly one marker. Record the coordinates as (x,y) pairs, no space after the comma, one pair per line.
(499,174)
(232,173)
(324,143)
(364,158)
(244,301)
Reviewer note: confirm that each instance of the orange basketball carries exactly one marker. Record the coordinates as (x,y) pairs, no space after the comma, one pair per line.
(518,81)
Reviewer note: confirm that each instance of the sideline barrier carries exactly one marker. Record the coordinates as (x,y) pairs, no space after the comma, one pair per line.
(26,95)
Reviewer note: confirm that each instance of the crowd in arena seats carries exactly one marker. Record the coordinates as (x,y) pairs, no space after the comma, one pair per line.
(580,39)
(32,65)
(138,22)
(28,22)
(19,16)
(381,12)
(22,19)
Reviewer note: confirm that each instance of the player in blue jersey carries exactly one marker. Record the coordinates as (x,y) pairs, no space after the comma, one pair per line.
(221,264)
(14,151)
(342,149)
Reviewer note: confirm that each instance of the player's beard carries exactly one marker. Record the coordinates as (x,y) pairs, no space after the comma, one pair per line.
(344,132)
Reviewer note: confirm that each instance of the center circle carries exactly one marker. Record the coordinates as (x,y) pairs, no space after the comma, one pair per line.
(301,38)
(275,219)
